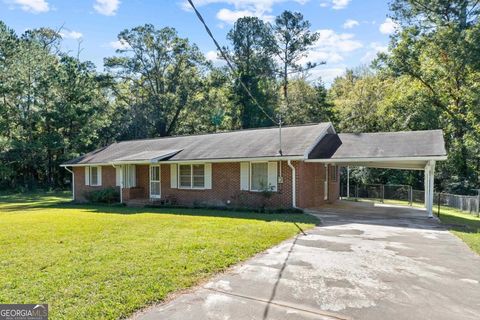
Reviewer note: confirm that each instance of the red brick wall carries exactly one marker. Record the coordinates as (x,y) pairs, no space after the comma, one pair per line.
(310,181)
(225,186)
(108,180)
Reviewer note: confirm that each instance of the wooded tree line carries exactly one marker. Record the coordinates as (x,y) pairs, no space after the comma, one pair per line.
(54,106)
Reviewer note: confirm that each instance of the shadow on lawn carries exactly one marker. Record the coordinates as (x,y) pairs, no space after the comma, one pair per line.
(35,203)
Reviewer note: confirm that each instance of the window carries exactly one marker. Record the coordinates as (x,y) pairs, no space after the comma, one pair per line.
(259,176)
(94,176)
(129,176)
(333,173)
(191,176)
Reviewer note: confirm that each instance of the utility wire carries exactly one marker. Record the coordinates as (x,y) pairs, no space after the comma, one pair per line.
(225,57)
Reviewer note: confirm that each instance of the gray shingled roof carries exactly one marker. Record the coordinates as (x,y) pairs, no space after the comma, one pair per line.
(380,145)
(255,143)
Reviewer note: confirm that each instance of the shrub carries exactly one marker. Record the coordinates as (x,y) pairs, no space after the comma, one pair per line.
(107,195)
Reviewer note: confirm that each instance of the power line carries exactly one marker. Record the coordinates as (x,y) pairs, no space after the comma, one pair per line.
(225,57)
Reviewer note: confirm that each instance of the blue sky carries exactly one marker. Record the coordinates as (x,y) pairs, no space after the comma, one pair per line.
(352,31)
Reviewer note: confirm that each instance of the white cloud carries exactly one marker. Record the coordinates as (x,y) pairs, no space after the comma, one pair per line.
(327,74)
(374,49)
(71,35)
(388,26)
(340,4)
(34,6)
(333,48)
(106,7)
(242,8)
(230,16)
(119,44)
(214,58)
(350,23)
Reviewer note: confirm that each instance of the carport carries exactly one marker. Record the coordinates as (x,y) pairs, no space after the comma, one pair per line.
(406,150)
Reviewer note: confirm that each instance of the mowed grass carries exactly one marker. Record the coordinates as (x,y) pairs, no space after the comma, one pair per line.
(463,225)
(100,262)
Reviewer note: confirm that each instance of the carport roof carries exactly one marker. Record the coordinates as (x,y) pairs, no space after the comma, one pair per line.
(403,150)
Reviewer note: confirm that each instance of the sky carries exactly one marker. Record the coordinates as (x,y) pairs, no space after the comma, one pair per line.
(351,31)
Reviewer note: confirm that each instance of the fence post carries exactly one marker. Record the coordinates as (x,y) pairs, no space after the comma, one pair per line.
(438,203)
(478,204)
(383,193)
(356,191)
(410,197)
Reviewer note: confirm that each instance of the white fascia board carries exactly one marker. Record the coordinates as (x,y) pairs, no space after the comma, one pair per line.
(280,158)
(379,159)
(318,139)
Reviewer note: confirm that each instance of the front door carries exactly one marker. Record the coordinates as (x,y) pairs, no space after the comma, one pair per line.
(155,181)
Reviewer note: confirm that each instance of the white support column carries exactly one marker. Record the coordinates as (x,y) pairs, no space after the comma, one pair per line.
(429,186)
(325,183)
(348,182)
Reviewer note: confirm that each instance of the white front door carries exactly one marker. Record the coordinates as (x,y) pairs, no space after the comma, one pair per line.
(155,181)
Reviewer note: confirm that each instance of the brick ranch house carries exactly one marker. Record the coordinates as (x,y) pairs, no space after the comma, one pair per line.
(236,168)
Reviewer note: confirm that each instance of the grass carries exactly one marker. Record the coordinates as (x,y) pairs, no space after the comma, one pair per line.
(460,223)
(463,225)
(100,262)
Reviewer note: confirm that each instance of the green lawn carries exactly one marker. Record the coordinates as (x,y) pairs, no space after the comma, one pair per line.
(100,262)
(463,225)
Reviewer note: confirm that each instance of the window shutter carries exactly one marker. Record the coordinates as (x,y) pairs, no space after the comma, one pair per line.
(118,172)
(244,175)
(272,176)
(208,176)
(87,176)
(99,175)
(173,176)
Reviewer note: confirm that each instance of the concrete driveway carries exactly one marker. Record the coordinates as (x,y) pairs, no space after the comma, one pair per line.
(362,262)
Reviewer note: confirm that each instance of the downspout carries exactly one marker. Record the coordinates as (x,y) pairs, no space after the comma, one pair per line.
(73,183)
(121,182)
(294,187)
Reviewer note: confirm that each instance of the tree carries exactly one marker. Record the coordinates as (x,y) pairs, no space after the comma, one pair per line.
(293,39)
(309,103)
(252,46)
(438,48)
(162,70)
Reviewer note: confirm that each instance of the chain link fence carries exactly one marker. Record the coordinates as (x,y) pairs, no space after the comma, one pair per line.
(405,193)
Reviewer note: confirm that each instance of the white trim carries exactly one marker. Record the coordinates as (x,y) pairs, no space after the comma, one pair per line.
(294,184)
(159,181)
(191,164)
(379,159)
(282,158)
(325,183)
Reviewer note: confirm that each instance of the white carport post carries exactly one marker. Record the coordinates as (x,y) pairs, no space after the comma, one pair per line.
(429,186)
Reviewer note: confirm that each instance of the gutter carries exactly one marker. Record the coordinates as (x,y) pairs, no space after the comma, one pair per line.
(73,182)
(294,184)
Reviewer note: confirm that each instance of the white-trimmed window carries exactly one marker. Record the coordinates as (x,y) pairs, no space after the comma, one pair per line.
(129,176)
(93,176)
(259,176)
(191,176)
